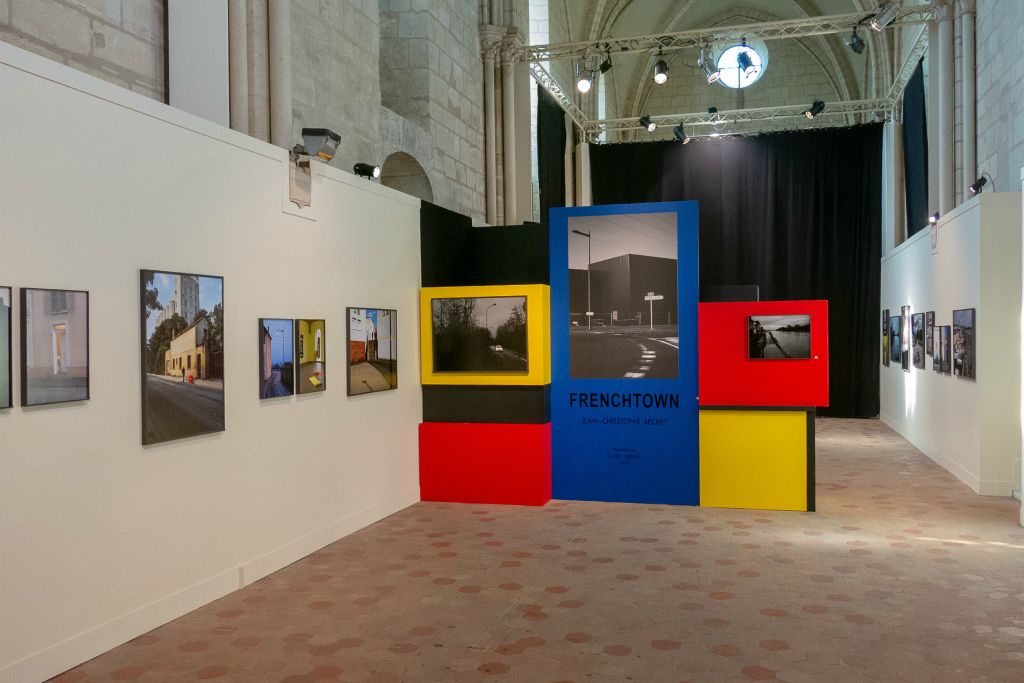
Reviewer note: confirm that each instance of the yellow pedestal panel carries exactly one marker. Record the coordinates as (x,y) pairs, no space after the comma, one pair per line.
(756,459)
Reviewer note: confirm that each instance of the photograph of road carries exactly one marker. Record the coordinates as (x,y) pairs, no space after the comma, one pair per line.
(5,347)
(623,308)
(311,336)
(277,357)
(182,355)
(55,346)
(885,337)
(372,350)
(480,334)
(779,337)
(963,343)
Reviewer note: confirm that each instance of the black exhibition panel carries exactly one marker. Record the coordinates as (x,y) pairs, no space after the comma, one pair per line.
(551,141)
(720,293)
(492,404)
(915,152)
(445,253)
(798,213)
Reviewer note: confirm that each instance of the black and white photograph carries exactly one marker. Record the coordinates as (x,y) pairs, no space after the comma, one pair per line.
(623,308)
(779,337)
(885,337)
(480,334)
(964,343)
(372,350)
(5,347)
(54,346)
(929,332)
(895,344)
(917,330)
(905,338)
(277,357)
(182,355)
(944,339)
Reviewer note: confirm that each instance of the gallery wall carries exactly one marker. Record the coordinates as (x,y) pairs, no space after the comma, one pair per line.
(969,426)
(105,539)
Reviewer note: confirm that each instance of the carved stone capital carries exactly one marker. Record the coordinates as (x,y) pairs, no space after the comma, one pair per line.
(943,10)
(966,7)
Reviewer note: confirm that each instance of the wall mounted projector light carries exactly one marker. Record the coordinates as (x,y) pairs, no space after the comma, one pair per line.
(366,170)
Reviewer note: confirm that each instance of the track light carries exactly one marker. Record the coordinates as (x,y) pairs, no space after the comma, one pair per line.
(366,170)
(978,184)
(816,108)
(706,63)
(646,122)
(680,134)
(606,65)
(584,79)
(884,15)
(855,42)
(660,70)
(934,218)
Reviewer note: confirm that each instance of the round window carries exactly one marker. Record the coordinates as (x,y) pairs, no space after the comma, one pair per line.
(742,64)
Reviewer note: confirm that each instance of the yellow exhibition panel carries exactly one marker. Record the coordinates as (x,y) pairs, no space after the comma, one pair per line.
(753,459)
(470,335)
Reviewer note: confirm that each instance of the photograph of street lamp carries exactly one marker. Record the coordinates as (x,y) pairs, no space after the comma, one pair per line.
(277,357)
(54,346)
(372,350)
(311,348)
(623,310)
(5,347)
(480,334)
(182,355)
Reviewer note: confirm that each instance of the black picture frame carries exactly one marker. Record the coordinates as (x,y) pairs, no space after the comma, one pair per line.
(964,343)
(154,430)
(905,338)
(895,343)
(7,364)
(26,388)
(388,374)
(929,332)
(917,341)
(945,348)
(287,380)
(885,337)
(761,337)
(318,374)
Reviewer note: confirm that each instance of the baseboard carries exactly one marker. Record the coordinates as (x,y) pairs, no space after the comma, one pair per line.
(997,487)
(73,651)
(268,563)
(920,443)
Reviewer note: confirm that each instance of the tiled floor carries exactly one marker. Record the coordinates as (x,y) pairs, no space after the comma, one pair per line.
(902,574)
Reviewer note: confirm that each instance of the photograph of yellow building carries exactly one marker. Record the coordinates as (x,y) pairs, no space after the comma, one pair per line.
(311,336)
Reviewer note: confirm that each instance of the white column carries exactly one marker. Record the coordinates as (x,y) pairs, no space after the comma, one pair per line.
(508,130)
(259,76)
(583,196)
(947,181)
(279,31)
(490,151)
(238,60)
(968,96)
(570,181)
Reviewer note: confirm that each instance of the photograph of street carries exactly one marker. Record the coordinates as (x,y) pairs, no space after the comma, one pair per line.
(311,348)
(779,337)
(929,332)
(277,357)
(964,343)
(905,338)
(917,330)
(372,350)
(885,337)
(182,355)
(623,310)
(895,345)
(943,353)
(480,334)
(5,347)
(54,346)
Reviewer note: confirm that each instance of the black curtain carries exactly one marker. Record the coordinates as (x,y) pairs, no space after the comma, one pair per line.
(915,152)
(798,213)
(550,152)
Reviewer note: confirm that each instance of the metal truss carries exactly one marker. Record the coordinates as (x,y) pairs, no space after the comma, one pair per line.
(909,65)
(564,99)
(670,42)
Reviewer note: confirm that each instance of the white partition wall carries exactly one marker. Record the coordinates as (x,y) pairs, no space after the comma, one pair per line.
(970,427)
(102,538)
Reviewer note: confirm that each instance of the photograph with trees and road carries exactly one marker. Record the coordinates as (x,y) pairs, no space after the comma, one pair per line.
(182,355)
(277,357)
(779,336)
(623,305)
(480,334)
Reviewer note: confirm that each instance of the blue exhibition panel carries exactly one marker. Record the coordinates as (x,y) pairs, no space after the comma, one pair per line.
(624,407)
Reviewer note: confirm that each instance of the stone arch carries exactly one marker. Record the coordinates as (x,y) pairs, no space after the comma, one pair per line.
(402,172)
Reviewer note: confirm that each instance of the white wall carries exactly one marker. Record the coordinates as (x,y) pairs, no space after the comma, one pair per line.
(972,428)
(101,538)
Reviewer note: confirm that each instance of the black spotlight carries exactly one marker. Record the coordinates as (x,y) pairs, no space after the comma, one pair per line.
(366,170)
(976,186)
(680,134)
(606,65)
(646,122)
(855,42)
(934,218)
(816,108)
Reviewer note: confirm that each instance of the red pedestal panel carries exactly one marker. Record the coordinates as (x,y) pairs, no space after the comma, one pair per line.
(727,377)
(485,463)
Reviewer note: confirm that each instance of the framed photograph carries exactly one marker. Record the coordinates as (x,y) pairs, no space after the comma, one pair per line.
(964,343)
(779,337)
(885,337)
(929,332)
(311,350)
(917,330)
(6,304)
(372,350)
(944,336)
(277,357)
(895,344)
(54,346)
(182,355)
(905,338)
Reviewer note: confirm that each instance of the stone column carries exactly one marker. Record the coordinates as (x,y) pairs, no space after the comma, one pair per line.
(968,96)
(947,181)
(259,81)
(508,129)
(238,65)
(490,44)
(279,25)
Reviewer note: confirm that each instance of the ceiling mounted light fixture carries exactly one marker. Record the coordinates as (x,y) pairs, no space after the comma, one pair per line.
(367,171)
(646,122)
(680,134)
(884,15)
(816,108)
(855,42)
(706,63)
(606,65)
(660,70)
(584,79)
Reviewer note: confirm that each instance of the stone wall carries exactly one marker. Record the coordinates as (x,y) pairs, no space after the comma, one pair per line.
(121,41)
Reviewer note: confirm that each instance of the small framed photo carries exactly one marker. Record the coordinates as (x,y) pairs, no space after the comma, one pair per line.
(905,337)
(917,340)
(277,357)
(311,352)
(895,343)
(6,305)
(929,332)
(964,343)
(372,350)
(885,337)
(54,346)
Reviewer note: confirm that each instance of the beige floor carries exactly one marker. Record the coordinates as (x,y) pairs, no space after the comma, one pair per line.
(902,574)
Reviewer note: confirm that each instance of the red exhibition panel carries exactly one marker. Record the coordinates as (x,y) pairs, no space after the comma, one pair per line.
(485,463)
(728,377)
